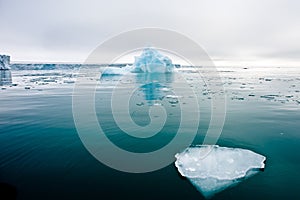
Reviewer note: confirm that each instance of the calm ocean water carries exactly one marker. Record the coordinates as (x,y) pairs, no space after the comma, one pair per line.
(42,156)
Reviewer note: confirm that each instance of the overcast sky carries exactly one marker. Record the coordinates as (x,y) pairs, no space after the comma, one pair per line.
(240,32)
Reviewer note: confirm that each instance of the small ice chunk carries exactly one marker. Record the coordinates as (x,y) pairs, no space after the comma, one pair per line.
(211,168)
(49,80)
(173,96)
(165,89)
(140,104)
(69,81)
(110,71)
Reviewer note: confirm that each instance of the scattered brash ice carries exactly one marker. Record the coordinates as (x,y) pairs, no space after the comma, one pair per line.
(211,168)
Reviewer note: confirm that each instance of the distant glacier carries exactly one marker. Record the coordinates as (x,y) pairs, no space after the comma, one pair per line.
(53,66)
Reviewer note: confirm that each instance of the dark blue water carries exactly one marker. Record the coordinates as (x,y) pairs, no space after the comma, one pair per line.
(42,156)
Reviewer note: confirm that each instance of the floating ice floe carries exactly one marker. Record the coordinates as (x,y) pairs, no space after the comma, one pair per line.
(117,70)
(173,96)
(211,168)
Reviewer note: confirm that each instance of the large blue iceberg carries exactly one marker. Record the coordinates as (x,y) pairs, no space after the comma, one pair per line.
(211,168)
(150,61)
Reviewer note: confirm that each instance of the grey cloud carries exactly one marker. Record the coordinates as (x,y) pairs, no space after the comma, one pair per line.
(226,29)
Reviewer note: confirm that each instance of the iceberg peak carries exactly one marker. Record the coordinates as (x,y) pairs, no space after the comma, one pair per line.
(152,61)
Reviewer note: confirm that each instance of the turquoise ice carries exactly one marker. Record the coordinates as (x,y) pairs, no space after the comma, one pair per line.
(152,61)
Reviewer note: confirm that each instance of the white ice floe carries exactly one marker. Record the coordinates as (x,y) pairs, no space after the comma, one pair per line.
(211,168)
(170,96)
(117,70)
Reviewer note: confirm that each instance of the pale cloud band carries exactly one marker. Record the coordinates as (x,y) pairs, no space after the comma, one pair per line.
(233,32)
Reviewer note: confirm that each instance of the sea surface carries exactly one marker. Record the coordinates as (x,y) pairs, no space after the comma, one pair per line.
(42,156)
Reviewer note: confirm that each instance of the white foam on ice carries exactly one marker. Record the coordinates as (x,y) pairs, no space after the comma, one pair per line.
(211,168)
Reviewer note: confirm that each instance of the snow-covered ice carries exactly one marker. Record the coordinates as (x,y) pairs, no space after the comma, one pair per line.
(211,168)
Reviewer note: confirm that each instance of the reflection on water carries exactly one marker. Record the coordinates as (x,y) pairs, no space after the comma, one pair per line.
(5,77)
(152,85)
